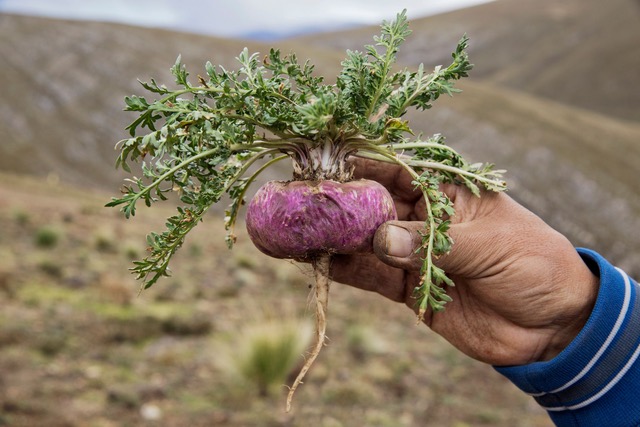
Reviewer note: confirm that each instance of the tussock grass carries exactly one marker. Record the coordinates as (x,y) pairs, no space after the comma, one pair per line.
(265,352)
(47,236)
(363,341)
(105,240)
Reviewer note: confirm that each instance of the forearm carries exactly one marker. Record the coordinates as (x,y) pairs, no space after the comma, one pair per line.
(595,381)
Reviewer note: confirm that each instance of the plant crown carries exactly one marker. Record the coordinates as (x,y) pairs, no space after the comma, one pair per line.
(202,139)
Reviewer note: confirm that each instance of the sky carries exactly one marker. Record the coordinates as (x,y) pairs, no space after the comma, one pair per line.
(236,18)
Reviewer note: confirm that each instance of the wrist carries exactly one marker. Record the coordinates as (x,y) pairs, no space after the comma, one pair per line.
(573,316)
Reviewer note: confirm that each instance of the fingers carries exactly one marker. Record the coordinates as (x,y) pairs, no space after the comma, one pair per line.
(367,272)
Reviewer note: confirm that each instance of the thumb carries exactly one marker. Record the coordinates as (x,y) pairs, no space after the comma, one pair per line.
(396,243)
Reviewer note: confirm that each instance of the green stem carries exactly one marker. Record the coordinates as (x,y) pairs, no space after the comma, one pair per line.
(196,89)
(419,144)
(283,144)
(424,287)
(458,171)
(232,220)
(166,175)
(419,89)
(167,254)
(210,114)
(362,141)
(381,155)
(388,60)
(247,164)
(263,167)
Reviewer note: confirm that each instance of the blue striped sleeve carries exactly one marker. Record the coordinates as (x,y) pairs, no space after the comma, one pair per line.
(595,381)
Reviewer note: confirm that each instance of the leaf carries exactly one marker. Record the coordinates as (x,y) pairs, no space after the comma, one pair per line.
(179,72)
(136,103)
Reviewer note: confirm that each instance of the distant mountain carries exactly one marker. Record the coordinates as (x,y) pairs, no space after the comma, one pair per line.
(287,33)
(64,83)
(584,53)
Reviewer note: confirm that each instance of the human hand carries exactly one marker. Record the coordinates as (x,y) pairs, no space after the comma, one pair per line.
(521,294)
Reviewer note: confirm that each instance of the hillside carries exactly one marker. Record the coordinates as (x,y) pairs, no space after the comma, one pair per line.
(584,53)
(62,100)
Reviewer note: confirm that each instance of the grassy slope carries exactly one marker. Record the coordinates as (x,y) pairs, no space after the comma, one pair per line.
(580,52)
(64,84)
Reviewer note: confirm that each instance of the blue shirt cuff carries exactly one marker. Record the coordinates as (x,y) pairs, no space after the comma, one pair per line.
(596,379)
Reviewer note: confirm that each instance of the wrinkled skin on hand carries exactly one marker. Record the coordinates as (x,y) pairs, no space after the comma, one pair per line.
(522,292)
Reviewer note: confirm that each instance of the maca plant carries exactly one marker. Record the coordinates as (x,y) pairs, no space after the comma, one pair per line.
(213,138)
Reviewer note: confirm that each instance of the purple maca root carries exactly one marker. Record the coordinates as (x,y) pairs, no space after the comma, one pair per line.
(305,219)
(312,220)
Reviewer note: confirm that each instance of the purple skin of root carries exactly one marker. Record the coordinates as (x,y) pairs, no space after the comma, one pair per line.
(305,219)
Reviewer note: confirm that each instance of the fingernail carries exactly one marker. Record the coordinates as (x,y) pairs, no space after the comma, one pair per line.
(399,241)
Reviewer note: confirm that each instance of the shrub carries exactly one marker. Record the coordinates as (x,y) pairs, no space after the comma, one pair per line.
(269,351)
(47,237)
(363,341)
(51,267)
(131,251)
(105,241)
(21,217)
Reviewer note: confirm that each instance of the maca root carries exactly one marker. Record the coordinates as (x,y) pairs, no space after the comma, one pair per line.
(321,272)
